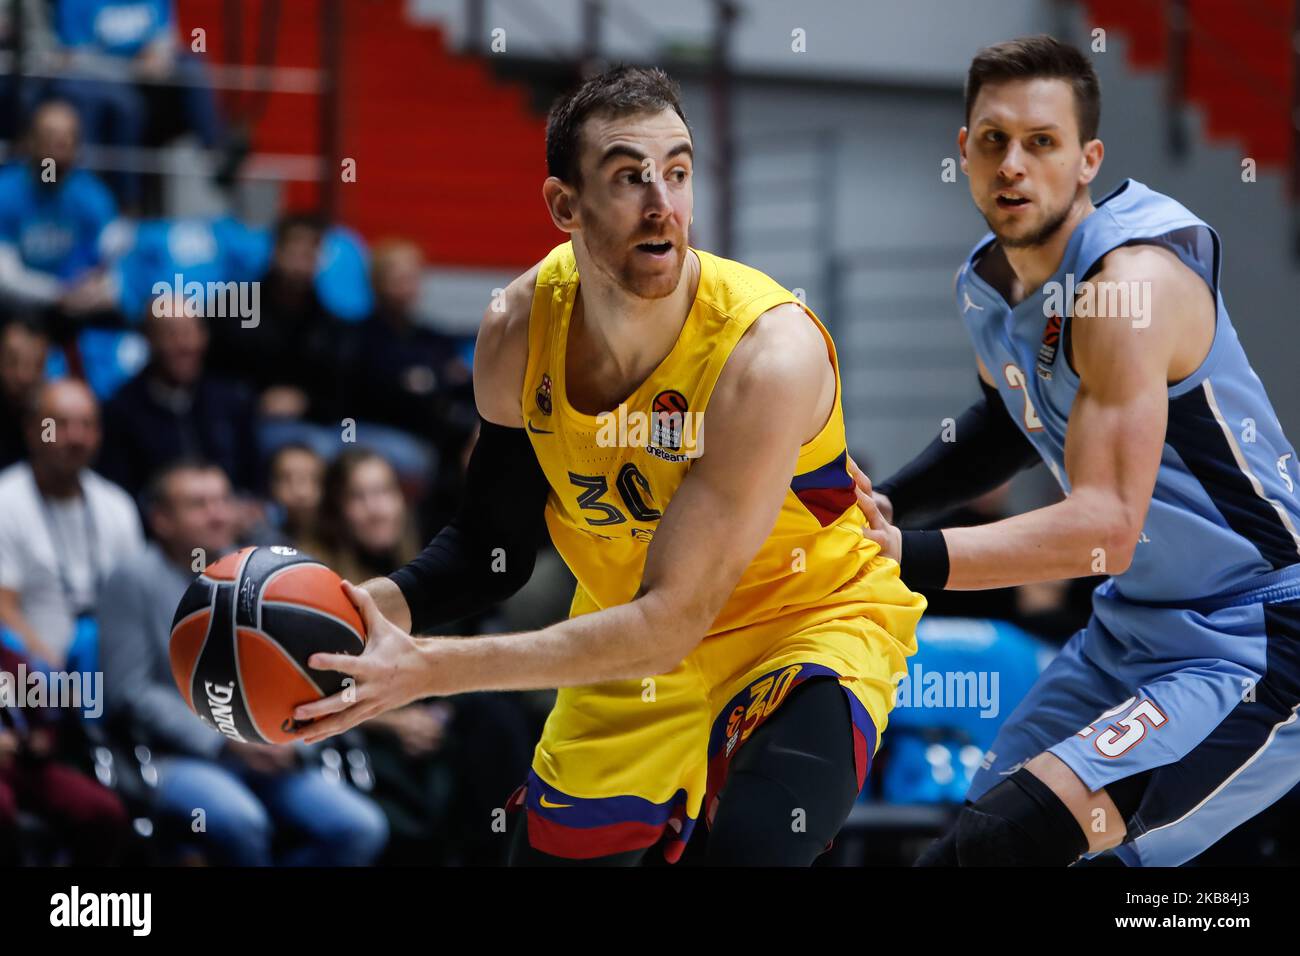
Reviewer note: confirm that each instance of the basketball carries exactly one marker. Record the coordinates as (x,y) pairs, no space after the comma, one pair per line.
(242,635)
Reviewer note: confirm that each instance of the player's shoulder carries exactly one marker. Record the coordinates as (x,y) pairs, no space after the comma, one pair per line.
(1154,276)
(782,349)
(730,287)
(501,352)
(506,316)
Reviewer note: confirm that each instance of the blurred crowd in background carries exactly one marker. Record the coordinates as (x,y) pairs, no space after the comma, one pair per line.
(137,426)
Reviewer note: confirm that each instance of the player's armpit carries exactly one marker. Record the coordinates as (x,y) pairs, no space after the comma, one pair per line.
(769,399)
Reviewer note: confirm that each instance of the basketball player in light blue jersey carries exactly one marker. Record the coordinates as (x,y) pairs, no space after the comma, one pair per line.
(1105,350)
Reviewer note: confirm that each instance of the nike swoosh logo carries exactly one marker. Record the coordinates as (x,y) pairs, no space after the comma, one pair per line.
(538,431)
(546,803)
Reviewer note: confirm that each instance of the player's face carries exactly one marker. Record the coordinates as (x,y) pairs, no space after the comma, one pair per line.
(1023,158)
(634,205)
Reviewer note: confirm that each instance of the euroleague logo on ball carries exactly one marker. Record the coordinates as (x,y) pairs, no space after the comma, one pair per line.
(283,550)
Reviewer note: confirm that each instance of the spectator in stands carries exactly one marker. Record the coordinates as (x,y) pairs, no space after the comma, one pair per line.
(441,766)
(173,409)
(365,529)
(88,818)
(297,476)
(56,233)
(63,528)
(19,94)
(250,792)
(291,356)
(403,372)
(23,351)
(126,73)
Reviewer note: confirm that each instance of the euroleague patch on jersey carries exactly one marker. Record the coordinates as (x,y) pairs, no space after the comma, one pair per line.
(544,394)
(675,435)
(1047,348)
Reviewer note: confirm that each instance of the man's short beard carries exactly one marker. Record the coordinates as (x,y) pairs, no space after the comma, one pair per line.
(1039,236)
(635,285)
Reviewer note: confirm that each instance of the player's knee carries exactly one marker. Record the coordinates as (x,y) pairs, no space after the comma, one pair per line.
(761,822)
(942,852)
(1020,822)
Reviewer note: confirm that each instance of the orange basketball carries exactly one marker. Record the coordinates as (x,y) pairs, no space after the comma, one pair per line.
(243,633)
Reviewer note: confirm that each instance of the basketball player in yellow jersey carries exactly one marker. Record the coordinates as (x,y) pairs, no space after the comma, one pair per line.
(734,641)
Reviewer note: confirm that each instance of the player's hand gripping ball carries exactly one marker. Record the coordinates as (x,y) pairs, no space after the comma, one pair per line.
(242,636)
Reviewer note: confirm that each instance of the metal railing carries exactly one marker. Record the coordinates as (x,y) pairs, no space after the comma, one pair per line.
(246,89)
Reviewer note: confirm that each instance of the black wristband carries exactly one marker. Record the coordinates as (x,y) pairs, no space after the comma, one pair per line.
(924,562)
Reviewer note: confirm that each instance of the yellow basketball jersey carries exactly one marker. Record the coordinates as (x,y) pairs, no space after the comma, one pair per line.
(612,476)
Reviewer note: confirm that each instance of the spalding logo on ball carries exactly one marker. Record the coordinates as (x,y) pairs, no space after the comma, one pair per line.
(243,633)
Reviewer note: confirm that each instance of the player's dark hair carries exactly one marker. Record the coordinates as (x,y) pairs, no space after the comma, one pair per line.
(619,91)
(1033,57)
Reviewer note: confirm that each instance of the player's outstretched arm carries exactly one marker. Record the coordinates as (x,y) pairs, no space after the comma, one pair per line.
(487,551)
(1114,440)
(774,394)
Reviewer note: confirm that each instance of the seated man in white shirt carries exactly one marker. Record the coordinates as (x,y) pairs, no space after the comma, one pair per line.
(63,528)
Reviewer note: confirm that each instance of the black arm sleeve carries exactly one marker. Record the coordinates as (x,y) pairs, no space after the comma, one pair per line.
(988,449)
(488,550)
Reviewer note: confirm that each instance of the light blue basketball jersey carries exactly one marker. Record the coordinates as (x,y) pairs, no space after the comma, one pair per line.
(1224,513)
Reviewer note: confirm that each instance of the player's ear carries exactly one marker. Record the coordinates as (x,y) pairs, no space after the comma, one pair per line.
(1093,153)
(961,149)
(561,204)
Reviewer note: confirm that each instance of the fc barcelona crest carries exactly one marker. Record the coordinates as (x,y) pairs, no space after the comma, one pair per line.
(544,394)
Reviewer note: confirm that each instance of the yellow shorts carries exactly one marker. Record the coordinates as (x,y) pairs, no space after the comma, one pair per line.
(625,764)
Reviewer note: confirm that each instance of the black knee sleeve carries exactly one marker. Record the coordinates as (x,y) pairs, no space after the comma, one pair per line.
(1020,822)
(942,852)
(791,785)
